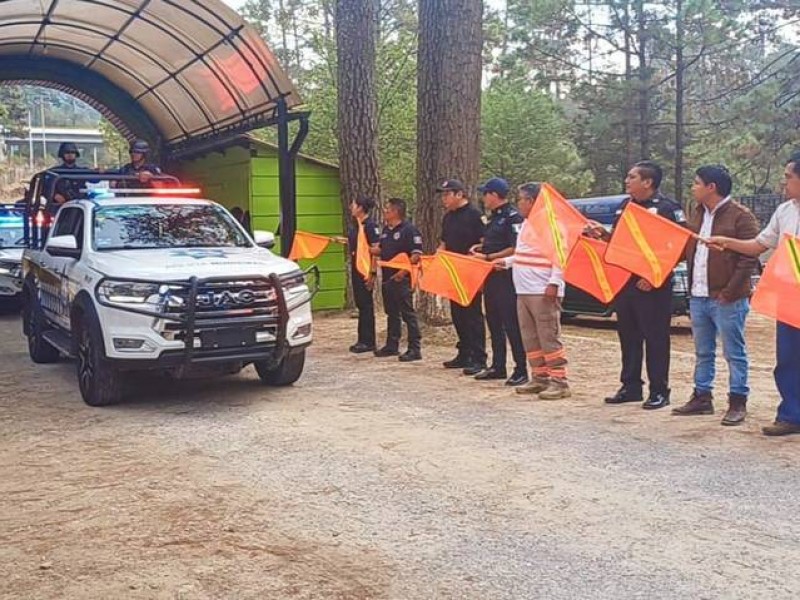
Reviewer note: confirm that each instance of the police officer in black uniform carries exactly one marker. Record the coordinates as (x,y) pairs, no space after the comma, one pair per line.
(67,189)
(139,150)
(463,228)
(360,210)
(399,236)
(644,313)
(500,297)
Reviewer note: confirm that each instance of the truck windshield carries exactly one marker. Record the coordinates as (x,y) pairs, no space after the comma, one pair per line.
(151,226)
(11,229)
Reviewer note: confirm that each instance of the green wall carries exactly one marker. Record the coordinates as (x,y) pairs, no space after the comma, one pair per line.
(248,178)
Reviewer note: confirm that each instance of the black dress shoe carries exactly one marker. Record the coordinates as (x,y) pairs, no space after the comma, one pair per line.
(491,373)
(625,395)
(410,355)
(386,351)
(517,379)
(361,347)
(473,369)
(459,362)
(656,401)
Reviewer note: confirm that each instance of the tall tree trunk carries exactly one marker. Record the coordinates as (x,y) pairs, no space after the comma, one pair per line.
(644,82)
(356,29)
(679,99)
(629,113)
(448,112)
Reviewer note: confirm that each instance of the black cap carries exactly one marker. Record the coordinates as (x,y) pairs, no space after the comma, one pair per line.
(495,185)
(450,185)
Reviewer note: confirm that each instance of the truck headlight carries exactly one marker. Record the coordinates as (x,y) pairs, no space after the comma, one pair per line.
(294,285)
(127,292)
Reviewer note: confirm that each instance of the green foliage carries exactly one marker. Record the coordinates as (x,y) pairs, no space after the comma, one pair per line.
(526,137)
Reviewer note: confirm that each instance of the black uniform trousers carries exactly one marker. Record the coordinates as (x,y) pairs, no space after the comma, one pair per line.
(643,326)
(398,304)
(471,330)
(501,316)
(365,304)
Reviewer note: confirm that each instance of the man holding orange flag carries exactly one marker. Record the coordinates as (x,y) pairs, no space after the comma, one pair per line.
(540,288)
(399,236)
(360,210)
(462,228)
(643,312)
(500,299)
(783,227)
(720,294)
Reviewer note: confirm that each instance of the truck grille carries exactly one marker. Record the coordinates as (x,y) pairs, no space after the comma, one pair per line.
(226,299)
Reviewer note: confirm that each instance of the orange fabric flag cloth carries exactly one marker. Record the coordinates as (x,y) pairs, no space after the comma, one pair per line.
(363,257)
(646,244)
(555,226)
(308,245)
(587,271)
(403,262)
(777,294)
(454,276)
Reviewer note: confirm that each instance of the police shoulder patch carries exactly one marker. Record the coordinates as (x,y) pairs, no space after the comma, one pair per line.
(417,239)
(516,227)
(680,216)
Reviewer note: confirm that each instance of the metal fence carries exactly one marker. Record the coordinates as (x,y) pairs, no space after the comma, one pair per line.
(762,205)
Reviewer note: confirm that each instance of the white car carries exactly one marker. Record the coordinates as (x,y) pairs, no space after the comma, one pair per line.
(166,283)
(11,246)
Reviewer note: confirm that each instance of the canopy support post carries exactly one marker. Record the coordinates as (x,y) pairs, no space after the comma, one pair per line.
(286,172)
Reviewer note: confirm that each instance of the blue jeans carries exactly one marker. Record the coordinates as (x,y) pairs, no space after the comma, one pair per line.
(787,373)
(709,319)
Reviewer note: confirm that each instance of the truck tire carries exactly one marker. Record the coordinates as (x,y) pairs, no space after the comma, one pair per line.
(40,350)
(99,382)
(286,373)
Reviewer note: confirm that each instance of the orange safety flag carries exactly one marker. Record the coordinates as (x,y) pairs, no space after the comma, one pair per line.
(587,271)
(363,257)
(554,225)
(308,245)
(646,244)
(403,262)
(454,276)
(778,289)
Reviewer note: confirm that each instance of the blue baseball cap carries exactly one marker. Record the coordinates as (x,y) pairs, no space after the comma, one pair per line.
(495,185)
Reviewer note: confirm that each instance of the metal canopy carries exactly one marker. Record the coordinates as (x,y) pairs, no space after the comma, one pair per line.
(181,71)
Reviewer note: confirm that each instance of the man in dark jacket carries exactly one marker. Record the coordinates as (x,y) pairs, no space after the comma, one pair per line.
(719,285)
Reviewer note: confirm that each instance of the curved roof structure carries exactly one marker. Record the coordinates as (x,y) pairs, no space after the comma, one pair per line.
(174,71)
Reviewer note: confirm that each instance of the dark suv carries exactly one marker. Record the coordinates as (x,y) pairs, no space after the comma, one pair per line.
(603,209)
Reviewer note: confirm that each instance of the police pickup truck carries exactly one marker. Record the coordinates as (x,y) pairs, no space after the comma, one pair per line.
(155,280)
(11,246)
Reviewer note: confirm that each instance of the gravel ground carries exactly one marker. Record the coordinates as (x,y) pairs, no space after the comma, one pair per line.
(372,479)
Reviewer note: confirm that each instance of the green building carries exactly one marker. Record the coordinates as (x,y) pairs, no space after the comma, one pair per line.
(243,171)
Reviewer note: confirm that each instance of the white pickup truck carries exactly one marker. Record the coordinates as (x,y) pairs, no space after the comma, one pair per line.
(162,282)
(11,246)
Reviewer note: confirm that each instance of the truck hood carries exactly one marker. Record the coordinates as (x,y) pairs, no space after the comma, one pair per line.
(182,263)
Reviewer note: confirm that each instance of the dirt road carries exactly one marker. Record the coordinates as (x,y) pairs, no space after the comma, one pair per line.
(372,479)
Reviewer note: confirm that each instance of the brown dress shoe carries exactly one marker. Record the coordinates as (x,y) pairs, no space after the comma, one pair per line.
(737,410)
(698,404)
(780,428)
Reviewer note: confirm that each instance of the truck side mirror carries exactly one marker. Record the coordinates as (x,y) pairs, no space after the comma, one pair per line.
(264,239)
(65,246)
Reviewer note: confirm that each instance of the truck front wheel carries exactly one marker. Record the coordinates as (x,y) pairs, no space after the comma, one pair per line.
(39,349)
(99,383)
(286,373)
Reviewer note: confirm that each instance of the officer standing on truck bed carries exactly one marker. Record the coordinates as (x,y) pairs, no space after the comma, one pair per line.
(139,151)
(67,189)
(643,312)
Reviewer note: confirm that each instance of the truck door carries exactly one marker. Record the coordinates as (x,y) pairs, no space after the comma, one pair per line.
(54,277)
